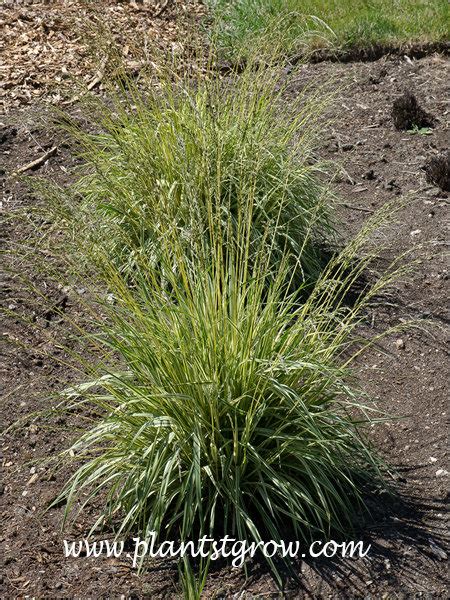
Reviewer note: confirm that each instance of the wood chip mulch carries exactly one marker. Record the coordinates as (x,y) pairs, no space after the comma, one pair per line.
(48,45)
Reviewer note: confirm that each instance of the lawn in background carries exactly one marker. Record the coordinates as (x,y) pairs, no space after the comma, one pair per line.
(335,24)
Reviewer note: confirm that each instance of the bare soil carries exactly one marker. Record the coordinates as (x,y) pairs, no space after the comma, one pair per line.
(406,373)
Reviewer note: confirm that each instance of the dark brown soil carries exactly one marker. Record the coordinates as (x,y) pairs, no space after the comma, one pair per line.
(374,52)
(406,373)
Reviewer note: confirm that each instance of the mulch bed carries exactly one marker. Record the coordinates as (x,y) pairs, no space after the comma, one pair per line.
(47,46)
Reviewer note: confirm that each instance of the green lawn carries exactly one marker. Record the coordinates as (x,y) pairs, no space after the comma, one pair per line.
(311,24)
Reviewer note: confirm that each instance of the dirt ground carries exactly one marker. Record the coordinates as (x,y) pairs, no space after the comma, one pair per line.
(406,373)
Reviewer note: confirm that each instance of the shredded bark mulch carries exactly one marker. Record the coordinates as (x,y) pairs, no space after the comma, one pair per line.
(49,45)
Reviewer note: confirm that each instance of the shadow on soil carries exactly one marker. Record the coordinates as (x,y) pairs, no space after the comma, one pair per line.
(396,530)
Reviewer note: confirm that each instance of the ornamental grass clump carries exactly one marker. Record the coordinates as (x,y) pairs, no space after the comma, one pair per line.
(220,400)
(223,404)
(188,153)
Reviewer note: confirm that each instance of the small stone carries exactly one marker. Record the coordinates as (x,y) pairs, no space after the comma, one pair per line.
(415,232)
(437,551)
(400,344)
(25,492)
(433,459)
(32,479)
(441,473)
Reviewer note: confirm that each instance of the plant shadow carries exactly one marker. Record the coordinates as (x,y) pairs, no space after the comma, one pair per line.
(404,544)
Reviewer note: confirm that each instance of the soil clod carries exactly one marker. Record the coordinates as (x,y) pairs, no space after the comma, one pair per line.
(438,171)
(407,113)
(369,175)
(7,134)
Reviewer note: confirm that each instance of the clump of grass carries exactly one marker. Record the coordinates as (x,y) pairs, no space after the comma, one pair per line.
(221,403)
(230,410)
(307,25)
(190,155)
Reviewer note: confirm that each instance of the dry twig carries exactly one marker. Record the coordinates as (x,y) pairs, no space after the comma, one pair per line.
(34,164)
